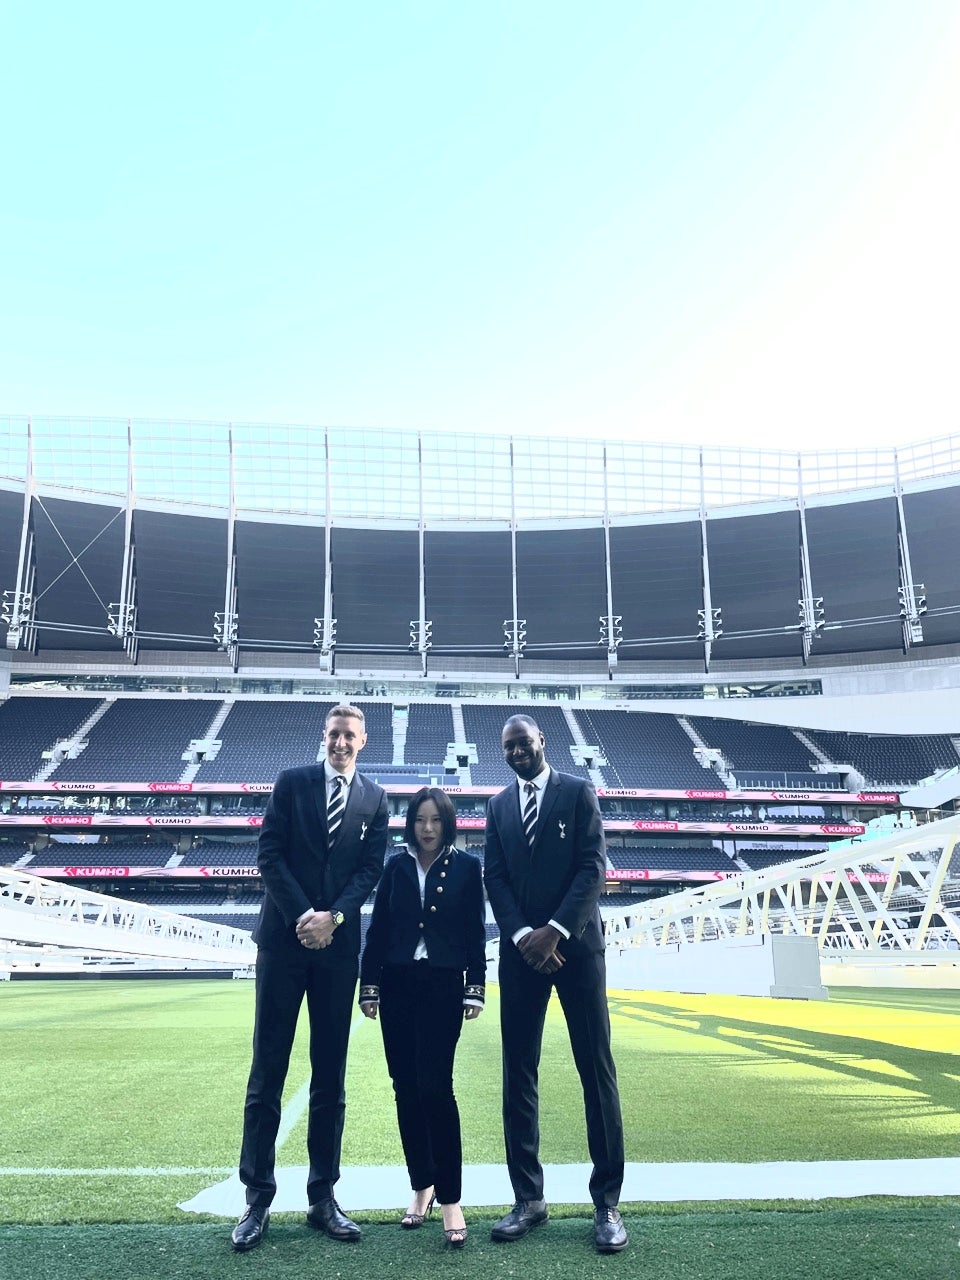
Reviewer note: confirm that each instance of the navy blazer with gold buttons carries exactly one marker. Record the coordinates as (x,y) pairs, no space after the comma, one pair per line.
(450,921)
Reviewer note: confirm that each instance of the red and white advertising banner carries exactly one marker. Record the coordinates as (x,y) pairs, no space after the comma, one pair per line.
(66,820)
(741,828)
(52,821)
(409,789)
(142,788)
(784,797)
(641,873)
(154,873)
(645,873)
(251,872)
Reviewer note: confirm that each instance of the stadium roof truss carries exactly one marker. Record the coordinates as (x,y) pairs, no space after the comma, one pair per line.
(890,900)
(124,536)
(47,924)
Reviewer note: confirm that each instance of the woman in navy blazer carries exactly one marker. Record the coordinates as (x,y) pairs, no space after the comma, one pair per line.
(426,933)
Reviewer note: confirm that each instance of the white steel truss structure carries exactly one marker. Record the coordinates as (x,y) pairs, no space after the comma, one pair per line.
(893,899)
(43,922)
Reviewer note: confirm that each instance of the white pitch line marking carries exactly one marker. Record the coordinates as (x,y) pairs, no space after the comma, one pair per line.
(486,1185)
(297,1106)
(112,1173)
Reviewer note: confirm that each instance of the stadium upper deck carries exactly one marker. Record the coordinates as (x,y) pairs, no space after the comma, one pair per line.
(139,537)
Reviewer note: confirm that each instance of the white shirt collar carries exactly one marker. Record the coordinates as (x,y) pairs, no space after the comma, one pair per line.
(329,773)
(540,781)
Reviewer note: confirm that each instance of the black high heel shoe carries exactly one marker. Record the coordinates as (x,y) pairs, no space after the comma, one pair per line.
(410,1221)
(454,1237)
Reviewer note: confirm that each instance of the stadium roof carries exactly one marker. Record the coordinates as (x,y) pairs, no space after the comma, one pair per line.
(149,535)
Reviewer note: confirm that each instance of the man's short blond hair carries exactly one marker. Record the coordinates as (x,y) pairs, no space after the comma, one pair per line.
(345,710)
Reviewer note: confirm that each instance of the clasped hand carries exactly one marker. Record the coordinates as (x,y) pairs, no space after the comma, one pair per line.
(315,930)
(539,949)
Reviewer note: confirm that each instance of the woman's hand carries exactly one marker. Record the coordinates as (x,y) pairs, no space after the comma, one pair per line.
(369,1009)
(471,1011)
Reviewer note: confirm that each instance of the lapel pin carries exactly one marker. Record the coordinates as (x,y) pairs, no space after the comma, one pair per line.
(563,830)
(363,829)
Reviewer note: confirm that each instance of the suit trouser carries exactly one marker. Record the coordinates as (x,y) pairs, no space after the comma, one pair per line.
(421,1015)
(524,995)
(282,980)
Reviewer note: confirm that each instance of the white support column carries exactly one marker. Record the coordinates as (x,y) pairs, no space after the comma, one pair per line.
(515,628)
(611,632)
(226,624)
(421,627)
(325,628)
(710,627)
(811,606)
(19,604)
(123,613)
(913,601)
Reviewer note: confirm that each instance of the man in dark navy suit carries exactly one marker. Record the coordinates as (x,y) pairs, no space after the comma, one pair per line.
(320,854)
(545,866)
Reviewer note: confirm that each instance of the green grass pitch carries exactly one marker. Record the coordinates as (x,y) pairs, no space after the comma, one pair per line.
(103,1077)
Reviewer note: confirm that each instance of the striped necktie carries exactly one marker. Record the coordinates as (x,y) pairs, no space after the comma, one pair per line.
(335,807)
(530,813)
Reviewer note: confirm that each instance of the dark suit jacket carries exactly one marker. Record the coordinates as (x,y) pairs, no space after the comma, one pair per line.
(562,877)
(298,869)
(451,919)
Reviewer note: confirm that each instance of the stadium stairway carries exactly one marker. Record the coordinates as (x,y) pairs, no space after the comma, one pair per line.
(460,735)
(580,740)
(79,736)
(720,764)
(814,750)
(212,730)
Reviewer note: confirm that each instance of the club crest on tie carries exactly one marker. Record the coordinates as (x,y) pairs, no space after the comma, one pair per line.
(563,829)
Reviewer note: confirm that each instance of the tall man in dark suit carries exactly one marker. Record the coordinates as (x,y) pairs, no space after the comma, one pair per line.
(321,852)
(545,866)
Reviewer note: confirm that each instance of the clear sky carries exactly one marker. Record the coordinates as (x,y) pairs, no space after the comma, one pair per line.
(731,222)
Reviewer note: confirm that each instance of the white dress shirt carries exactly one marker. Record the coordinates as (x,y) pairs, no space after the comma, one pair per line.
(330,774)
(540,783)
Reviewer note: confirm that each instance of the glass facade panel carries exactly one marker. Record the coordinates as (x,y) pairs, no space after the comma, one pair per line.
(13,448)
(377,474)
(181,462)
(88,455)
(280,468)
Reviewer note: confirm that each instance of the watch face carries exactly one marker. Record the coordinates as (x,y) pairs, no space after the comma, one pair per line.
(338,917)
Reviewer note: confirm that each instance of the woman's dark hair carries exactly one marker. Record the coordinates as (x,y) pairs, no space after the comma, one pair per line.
(448,815)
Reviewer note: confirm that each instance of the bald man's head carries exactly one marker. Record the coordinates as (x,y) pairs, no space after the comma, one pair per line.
(523,746)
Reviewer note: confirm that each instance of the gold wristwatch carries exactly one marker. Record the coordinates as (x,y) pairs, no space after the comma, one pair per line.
(337,918)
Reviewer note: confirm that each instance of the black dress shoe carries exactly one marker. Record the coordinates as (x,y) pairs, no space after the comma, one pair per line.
(523,1217)
(326,1215)
(248,1232)
(609,1233)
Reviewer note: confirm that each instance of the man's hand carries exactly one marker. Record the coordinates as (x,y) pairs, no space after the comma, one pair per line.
(315,930)
(369,1009)
(539,949)
(471,1011)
